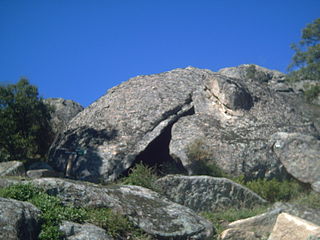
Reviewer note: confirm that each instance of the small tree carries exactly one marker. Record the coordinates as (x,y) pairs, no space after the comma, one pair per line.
(306,61)
(25,130)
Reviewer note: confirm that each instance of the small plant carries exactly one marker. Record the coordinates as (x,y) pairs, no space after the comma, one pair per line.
(311,200)
(141,175)
(274,190)
(22,192)
(201,160)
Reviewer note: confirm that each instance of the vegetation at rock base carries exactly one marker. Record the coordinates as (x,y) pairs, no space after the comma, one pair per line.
(25,130)
(201,160)
(141,175)
(54,212)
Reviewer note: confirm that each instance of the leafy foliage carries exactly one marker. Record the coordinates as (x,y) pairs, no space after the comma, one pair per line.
(24,122)
(141,175)
(312,92)
(274,190)
(306,61)
(201,160)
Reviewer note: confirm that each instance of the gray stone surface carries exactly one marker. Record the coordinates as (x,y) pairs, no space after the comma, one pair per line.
(75,231)
(40,173)
(234,117)
(18,220)
(300,155)
(63,112)
(204,193)
(148,210)
(12,168)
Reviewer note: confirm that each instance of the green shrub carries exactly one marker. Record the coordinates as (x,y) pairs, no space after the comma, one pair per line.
(141,175)
(201,160)
(311,199)
(274,190)
(22,192)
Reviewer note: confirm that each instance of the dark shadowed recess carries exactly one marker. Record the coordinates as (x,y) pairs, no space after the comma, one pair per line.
(157,154)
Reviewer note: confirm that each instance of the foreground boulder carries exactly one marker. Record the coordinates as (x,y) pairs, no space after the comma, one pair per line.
(148,210)
(12,168)
(156,118)
(289,227)
(204,193)
(76,231)
(300,155)
(18,220)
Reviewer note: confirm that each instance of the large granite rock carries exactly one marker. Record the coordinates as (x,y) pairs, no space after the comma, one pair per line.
(300,155)
(204,193)
(12,168)
(76,231)
(148,210)
(156,118)
(18,220)
(63,112)
(289,227)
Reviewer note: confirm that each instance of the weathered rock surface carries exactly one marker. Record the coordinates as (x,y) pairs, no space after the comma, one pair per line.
(18,220)
(234,117)
(300,155)
(148,210)
(40,173)
(40,165)
(204,193)
(238,234)
(289,227)
(75,231)
(12,168)
(64,111)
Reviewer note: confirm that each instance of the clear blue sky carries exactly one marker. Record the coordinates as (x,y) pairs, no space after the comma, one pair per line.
(78,49)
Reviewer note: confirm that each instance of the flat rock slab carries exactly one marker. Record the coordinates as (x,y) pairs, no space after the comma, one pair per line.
(300,155)
(148,210)
(204,193)
(76,231)
(18,220)
(289,227)
(12,168)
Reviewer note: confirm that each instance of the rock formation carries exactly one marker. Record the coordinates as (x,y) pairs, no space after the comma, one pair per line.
(63,112)
(156,118)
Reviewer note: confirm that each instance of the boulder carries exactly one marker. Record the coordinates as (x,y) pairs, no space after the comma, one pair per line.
(151,212)
(299,154)
(18,220)
(12,168)
(204,193)
(63,112)
(238,234)
(289,227)
(76,231)
(155,118)
(39,165)
(40,173)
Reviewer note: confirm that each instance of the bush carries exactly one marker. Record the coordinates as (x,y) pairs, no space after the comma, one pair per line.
(312,93)
(201,160)
(274,190)
(141,175)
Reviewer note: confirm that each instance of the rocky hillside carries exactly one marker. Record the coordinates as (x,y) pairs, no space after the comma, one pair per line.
(242,125)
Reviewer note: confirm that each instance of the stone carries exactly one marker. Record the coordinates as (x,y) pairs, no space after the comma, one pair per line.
(63,112)
(204,193)
(18,220)
(238,234)
(76,231)
(154,119)
(12,168)
(300,155)
(153,213)
(289,227)
(40,173)
(40,165)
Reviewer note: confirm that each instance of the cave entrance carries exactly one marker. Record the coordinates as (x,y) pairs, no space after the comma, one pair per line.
(157,156)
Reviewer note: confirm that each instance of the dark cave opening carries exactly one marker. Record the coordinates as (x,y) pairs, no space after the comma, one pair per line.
(157,154)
